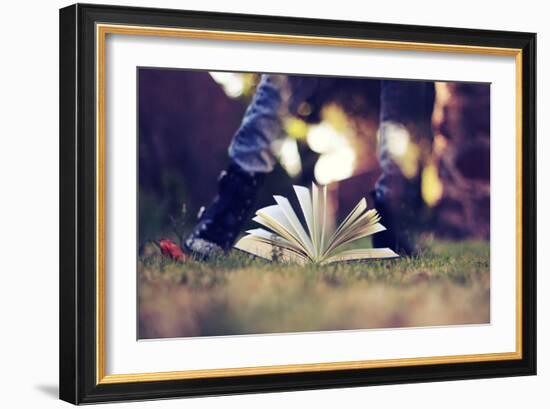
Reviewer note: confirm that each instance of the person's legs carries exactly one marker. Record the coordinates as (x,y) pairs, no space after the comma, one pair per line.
(405,116)
(406,109)
(261,125)
(251,159)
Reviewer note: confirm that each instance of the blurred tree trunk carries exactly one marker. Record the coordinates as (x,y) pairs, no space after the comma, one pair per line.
(185,125)
(462,152)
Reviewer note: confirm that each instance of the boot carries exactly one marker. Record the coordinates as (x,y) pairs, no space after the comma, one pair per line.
(395,236)
(220,224)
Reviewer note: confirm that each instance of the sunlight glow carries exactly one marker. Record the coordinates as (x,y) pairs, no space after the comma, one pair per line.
(397,138)
(325,138)
(232,83)
(432,187)
(289,157)
(335,166)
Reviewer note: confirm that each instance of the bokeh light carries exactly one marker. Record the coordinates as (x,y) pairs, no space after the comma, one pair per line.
(397,138)
(336,165)
(432,187)
(232,83)
(324,137)
(287,152)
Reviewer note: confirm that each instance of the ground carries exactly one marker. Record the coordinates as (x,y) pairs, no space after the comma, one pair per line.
(448,283)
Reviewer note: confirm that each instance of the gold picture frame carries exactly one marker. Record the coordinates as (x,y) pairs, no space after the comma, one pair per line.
(85,30)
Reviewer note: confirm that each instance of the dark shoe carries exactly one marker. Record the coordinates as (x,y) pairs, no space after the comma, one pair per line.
(395,236)
(219,225)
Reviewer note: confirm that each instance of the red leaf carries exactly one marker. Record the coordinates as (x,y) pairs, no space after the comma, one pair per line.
(172,250)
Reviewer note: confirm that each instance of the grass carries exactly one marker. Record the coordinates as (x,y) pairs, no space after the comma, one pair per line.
(448,283)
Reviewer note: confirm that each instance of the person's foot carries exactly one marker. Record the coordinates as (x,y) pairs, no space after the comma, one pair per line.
(394,237)
(220,223)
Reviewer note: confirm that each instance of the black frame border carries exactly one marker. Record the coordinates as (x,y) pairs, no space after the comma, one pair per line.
(78,204)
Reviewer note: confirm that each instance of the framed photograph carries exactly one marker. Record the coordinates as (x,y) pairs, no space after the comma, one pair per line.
(258,203)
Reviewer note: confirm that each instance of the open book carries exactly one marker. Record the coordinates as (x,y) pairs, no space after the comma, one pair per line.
(288,240)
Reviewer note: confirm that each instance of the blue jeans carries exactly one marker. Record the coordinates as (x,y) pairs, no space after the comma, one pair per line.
(405,112)
(261,125)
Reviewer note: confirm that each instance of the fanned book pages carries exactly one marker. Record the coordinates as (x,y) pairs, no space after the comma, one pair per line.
(286,239)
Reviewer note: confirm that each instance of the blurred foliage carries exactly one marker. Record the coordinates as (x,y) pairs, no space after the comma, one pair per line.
(187,120)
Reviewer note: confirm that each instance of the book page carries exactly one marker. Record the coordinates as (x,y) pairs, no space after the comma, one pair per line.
(363,226)
(348,221)
(274,219)
(275,240)
(323,217)
(361,254)
(315,206)
(360,233)
(256,247)
(298,229)
(304,198)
